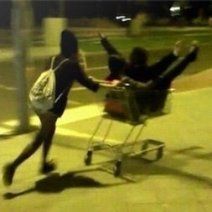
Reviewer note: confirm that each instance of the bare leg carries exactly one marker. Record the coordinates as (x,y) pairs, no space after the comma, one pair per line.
(47,120)
(47,143)
(9,169)
(29,150)
(49,130)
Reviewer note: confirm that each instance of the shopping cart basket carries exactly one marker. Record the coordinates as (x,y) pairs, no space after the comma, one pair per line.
(134,107)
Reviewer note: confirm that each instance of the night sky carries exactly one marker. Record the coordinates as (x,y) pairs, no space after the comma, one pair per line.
(73,9)
(98,8)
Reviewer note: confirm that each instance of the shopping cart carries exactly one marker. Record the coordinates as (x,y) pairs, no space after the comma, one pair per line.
(133,107)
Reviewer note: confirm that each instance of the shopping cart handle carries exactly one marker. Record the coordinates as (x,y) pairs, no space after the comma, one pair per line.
(124,85)
(127,84)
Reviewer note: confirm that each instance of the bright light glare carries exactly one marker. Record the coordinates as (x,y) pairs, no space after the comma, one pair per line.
(126,19)
(175,9)
(120,17)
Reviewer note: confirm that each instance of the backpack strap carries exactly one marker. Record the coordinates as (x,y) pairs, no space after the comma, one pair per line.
(59,65)
(52,62)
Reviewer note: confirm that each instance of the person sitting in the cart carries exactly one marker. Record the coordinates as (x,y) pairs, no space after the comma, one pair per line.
(162,81)
(137,67)
(152,82)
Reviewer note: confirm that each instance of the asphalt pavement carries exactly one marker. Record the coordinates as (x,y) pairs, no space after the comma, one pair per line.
(180,181)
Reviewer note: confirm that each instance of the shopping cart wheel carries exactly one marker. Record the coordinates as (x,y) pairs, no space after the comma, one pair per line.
(117,168)
(159,153)
(88,157)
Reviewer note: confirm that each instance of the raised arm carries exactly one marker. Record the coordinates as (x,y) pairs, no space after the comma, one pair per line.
(109,48)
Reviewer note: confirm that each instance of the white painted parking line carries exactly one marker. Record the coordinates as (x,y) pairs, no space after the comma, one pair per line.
(68,132)
(78,88)
(96,68)
(81,113)
(71,102)
(70,115)
(3,130)
(7,87)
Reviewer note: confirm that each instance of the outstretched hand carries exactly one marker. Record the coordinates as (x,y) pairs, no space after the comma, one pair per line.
(178,47)
(101,35)
(110,84)
(194,45)
(193,51)
(105,83)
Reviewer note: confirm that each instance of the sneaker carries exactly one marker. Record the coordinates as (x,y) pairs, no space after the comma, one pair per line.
(8,173)
(48,167)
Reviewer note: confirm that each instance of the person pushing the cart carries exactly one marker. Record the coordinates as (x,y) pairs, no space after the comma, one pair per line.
(67,73)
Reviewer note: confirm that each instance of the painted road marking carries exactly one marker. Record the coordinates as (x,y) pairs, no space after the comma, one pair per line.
(7,87)
(70,115)
(10,88)
(81,113)
(71,102)
(4,131)
(78,88)
(68,132)
(96,68)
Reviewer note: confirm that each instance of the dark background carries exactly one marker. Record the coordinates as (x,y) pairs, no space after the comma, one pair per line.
(104,8)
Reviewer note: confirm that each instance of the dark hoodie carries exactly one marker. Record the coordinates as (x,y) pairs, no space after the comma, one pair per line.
(69,72)
(137,68)
(68,44)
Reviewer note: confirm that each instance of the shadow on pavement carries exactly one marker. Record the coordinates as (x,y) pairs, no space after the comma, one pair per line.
(195,152)
(15,132)
(173,167)
(56,183)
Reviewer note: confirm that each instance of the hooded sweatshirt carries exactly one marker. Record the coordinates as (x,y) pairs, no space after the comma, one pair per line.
(69,72)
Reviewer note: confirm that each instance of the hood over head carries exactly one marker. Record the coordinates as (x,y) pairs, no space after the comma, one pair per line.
(139,56)
(68,43)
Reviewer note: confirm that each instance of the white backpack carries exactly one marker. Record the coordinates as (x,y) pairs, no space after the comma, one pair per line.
(42,93)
